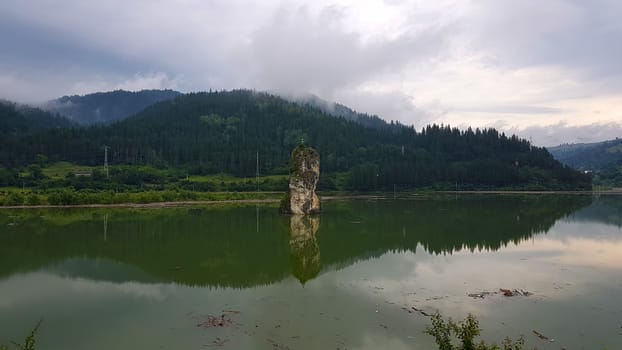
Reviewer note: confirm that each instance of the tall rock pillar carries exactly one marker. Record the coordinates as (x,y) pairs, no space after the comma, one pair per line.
(304,172)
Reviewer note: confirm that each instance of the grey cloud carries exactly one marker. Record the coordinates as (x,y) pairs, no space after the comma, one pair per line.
(576,34)
(388,106)
(49,49)
(37,47)
(508,109)
(54,48)
(554,135)
(296,51)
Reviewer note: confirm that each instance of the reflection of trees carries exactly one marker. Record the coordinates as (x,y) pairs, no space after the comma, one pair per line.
(221,246)
(217,247)
(605,209)
(304,248)
(439,226)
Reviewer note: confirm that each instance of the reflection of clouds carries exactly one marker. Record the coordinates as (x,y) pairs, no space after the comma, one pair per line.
(133,289)
(581,252)
(339,307)
(580,244)
(545,264)
(27,289)
(376,341)
(388,271)
(564,229)
(573,275)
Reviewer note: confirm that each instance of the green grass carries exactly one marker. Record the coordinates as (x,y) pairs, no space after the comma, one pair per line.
(60,170)
(67,196)
(228,179)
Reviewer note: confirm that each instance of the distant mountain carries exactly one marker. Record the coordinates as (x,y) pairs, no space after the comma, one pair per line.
(18,120)
(222,132)
(106,107)
(589,156)
(340,110)
(603,159)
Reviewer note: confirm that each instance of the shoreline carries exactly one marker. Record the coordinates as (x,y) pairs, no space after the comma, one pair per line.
(385,196)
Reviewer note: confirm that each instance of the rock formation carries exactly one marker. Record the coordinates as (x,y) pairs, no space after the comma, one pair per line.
(304,172)
(304,247)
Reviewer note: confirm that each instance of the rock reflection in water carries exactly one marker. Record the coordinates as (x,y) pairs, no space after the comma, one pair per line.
(304,247)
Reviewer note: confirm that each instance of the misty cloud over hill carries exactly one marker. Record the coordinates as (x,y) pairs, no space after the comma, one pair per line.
(106,107)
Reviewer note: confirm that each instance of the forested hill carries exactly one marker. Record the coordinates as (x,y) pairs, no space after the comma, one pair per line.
(604,159)
(105,107)
(17,120)
(589,156)
(222,132)
(340,110)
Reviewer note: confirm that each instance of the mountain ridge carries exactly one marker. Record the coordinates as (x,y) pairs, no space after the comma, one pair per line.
(339,110)
(588,156)
(604,159)
(224,132)
(18,119)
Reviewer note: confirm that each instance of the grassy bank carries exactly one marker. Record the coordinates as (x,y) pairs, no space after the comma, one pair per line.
(20,197)
(16,197)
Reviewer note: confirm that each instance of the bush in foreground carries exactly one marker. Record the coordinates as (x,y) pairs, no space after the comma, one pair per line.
(448,333)
(29,341)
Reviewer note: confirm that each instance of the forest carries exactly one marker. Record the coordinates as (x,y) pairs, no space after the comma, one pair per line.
(243,133)
(602,159)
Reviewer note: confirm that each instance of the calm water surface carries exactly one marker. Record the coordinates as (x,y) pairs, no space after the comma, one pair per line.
(348,279)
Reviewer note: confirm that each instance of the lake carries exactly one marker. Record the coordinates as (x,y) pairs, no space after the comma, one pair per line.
(362,275)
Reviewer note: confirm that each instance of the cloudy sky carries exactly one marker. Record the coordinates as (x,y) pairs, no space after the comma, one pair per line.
(546,70)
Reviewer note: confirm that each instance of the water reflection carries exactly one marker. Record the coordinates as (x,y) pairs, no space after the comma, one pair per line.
(138,280)
(605,209)
(249,246)
(304,248)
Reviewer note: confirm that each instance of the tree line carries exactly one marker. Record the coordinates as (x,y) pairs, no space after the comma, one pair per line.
(226,131)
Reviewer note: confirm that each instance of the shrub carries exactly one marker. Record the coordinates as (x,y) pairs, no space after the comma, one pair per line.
(15,198)
(465,331)
(33,199)
(29,342)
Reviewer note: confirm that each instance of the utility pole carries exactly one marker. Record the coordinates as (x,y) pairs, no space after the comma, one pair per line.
(257,172)
(106,161)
